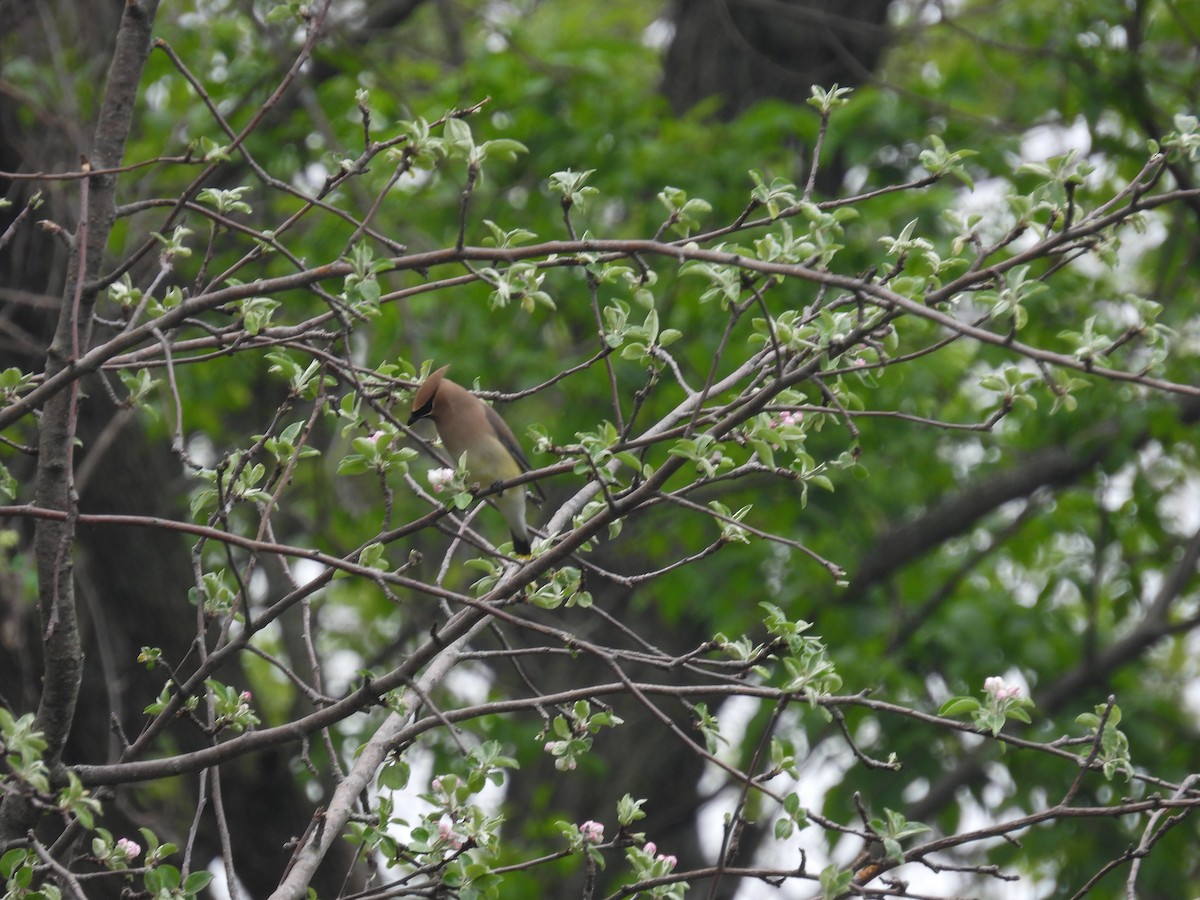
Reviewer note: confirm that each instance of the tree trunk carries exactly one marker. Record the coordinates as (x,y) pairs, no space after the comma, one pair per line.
(744,51)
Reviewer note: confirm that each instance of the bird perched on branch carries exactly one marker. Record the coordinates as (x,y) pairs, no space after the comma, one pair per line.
(468,425)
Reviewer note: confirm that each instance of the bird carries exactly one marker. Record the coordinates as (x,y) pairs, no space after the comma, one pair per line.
(469,426)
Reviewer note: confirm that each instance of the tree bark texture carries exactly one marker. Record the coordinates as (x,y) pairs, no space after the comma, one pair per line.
(744,51)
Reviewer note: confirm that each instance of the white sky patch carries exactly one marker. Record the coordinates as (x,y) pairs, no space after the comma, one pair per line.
(201,449)
(1045,142)
(306,570)
(734,715)
(340,669)
(923,12)
(218,888)
(1191,692)
(658,34)
(414,180)
(471,683)
(157,94)
(1116,488)
(311,178)
(1181,507)
(820,772)
(988,199)
(824,770)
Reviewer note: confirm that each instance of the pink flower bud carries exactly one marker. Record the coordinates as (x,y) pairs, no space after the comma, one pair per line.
(1000,689)
(447,833)
(439,479)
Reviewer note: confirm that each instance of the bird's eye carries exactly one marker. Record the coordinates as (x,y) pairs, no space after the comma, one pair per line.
(422,413)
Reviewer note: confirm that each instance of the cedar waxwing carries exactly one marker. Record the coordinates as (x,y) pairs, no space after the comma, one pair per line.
(468,425)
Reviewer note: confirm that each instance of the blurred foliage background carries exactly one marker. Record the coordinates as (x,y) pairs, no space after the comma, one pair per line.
(1034,550)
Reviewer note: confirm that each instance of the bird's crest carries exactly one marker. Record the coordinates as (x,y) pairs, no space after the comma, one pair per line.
(428,389)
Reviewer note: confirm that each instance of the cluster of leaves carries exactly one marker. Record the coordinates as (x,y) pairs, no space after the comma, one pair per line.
(885,346)
(25,870)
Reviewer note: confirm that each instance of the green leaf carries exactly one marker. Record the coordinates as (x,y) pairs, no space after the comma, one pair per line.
(394,775)
(196,882)
(503,149)
(457,135)
(12,860)
(256,313)
(629,810)
(959,706)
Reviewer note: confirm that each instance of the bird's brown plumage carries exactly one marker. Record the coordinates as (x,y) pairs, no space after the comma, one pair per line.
(469,426)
